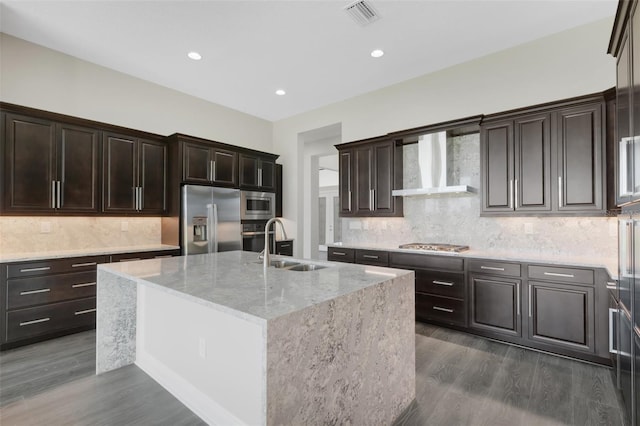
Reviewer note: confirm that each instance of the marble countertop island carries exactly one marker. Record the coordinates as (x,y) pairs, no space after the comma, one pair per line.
(239,344)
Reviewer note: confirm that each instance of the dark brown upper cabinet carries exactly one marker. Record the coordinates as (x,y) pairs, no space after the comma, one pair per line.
(258,173)
(545,160)
(135,175)
(367,174)
(50,167)
(204,164)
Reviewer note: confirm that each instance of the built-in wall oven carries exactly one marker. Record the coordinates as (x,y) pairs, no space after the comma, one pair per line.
(253,236)
(256,205)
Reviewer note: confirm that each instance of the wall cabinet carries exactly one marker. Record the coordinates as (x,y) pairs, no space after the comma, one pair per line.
(203,164)
(545,160)
(134,175)
(49,166)
(257,173)
(368,172)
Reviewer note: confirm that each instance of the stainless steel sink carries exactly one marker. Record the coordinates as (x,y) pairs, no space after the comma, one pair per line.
(304,267)
(284,264)
(290,265)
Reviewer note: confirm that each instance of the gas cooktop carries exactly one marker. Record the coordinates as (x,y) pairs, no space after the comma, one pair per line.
(434,247)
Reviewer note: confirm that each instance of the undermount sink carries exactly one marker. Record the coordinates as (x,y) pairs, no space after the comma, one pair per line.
(295,266)
(283,264)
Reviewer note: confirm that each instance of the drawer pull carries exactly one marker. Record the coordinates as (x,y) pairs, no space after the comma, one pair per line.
(447,283)
(611,286)
(83,285)
(80,265)
(86,311)
(447,310)
(491,268)
(22,324)
(285,245)
(556,274)
(339,253)
(42,290)
(130,260)
(44,268)
(369,256)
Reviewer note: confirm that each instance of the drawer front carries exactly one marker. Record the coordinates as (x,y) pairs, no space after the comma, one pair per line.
(495,268)
(32,322)
(372,257)
(23,292)
(284,248)
(416,260)
(131,257)
(448,284)
(450,311)
(336,254)
(54,266)
(561,274)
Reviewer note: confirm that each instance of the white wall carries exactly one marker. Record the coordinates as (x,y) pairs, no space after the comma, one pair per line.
(38,77)
(563,65)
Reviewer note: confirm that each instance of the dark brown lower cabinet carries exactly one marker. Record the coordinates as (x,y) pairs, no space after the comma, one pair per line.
(562,315)
(284,247)
(495,304)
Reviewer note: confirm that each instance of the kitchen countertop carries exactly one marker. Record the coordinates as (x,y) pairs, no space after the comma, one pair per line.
(236,282)
(610,264)
(57,254)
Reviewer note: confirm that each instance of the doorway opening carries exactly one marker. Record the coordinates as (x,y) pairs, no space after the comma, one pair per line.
(329,223)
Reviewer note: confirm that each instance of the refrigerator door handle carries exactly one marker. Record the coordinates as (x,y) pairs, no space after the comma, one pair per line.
(210,230)
(215,228)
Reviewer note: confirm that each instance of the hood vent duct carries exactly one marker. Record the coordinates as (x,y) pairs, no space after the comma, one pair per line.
(362,12)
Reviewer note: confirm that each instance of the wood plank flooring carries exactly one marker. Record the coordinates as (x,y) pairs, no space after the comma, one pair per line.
(460,380)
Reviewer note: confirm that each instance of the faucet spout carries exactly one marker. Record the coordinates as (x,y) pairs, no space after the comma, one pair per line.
(267,256)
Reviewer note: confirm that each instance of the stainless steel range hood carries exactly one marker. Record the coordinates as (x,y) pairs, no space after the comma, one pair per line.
(432,174)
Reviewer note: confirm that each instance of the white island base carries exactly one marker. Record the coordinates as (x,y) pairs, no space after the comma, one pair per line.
(334,346)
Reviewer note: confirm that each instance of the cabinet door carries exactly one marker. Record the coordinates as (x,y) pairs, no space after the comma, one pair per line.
(196,167)
(345,182)
(580,158)
(267,175)
(496,155)
(153,176)
(224,167)
(384,155)
(495,304)
(562,315)
(363,173)
(248,171)
(78,168)
(624,184)
(29,164)
(532,167)
(119,173)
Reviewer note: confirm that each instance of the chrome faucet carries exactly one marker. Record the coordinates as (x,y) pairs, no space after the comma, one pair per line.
(267,257)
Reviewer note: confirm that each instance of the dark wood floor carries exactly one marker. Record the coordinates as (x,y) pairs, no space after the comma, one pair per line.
(460,380)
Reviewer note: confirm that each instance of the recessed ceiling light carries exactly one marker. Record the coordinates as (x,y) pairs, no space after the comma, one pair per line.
(377,53)
(194,55)
(280,92)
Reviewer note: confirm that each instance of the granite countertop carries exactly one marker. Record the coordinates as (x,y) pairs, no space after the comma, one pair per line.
(236,282)
(608,263)
(26,256)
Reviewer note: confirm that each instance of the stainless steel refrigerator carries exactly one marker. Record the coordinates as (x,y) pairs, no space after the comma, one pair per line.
(210,220)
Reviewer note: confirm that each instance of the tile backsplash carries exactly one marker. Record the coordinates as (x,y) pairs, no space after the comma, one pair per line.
(457,220)
(20,234)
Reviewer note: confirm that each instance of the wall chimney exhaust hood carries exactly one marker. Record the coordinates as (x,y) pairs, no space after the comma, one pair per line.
(431,167)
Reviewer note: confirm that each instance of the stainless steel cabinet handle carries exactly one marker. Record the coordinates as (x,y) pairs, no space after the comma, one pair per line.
(86,311)
(58,194)
(80,265)
(530,314)
(339,253)
(510,193)
(349,201)
(491,268)
(628,249)
(213,170)
(53,194)
(518,299)
(557,274)
(515,192)
(611,286)
(438,308)
(612,348)
(284,245)
(140,199)
(44,268)
(42,290)
(22,324)
(369,256)
(259,176)
(559,191)
(447,283)
(83,285)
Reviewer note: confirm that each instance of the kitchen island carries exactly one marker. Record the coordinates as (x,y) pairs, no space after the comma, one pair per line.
(238,344)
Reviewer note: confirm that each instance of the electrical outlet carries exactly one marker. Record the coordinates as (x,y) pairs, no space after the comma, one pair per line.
(124,226)
(202,348)
(45,227)
(528,228)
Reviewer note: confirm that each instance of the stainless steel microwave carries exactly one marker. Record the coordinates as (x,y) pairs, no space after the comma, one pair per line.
(257,205)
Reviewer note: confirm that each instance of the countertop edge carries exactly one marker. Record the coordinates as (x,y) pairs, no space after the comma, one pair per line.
(25,257)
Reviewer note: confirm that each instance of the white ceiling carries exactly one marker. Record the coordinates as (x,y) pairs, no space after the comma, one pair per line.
(311,49)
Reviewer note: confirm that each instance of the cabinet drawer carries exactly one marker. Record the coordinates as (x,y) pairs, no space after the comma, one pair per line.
(23,292)
(494,268)
(32,322)
(131,257)
(372,257)
(54,266)
(416,260)
(336,254)
(284,247)
(560,274)
(443,309)
(441,283)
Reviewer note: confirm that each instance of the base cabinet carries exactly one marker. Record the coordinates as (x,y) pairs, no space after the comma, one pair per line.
(495,304)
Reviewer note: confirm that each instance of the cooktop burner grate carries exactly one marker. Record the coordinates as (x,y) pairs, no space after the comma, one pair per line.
(434,247)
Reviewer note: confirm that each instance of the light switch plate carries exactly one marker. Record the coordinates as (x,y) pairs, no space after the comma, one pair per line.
(45,227)
(528,228)
(124,226)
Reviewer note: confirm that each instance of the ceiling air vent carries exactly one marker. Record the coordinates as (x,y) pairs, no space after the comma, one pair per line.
(362,12)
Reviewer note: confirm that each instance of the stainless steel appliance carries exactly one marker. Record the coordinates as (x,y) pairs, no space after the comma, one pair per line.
(257,205)
(210,219)
(253,236)
(453,248)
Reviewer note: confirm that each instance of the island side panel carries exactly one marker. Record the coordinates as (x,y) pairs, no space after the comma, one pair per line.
(350,360)
(115,321)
